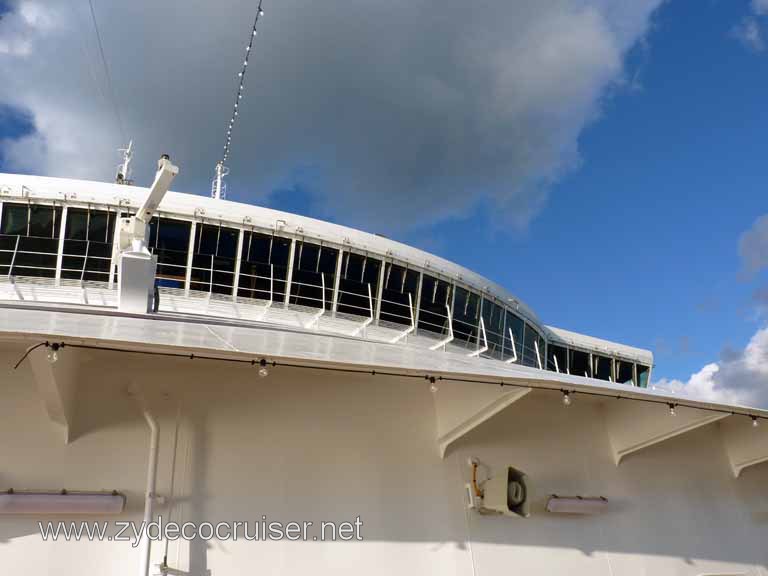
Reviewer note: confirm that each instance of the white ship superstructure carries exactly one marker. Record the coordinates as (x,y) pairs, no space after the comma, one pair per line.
(298,370)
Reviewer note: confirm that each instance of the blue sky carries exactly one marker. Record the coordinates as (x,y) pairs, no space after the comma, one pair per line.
(659,170)
(640,243)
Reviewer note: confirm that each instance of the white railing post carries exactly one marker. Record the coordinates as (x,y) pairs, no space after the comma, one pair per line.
(364,325)
(514,349)
(190,258)
(60,250)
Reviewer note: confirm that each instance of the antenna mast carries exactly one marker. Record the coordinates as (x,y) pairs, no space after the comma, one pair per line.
(218,187)
(123,175)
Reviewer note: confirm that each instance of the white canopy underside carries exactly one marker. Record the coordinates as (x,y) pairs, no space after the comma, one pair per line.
(464,401)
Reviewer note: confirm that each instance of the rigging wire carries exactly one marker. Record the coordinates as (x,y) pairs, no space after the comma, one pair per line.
(106,72)
(241,81)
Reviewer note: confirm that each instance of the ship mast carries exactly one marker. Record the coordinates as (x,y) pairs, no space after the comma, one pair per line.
(123,175)
(218,187)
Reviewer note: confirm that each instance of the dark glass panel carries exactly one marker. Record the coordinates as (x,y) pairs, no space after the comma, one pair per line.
(44,221)
(516,326)
(259,252)
(357,274)
(561,354)
(435,295)
(308,277)
(531,340)
(602,367)
(624,372)
(578,363)
(77,224)
(15,219)
(642,375)
(399,283)
(466,315)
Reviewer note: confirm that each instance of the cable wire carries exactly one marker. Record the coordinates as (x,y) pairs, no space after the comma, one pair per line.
(106,71)
(241,81)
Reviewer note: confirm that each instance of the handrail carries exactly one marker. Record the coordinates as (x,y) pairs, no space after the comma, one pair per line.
(484,348)
(412,327)
(449,339)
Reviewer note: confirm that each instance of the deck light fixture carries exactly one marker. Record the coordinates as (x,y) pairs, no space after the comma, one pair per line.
(263,370)
(61,503)
(672,409)
(566,398)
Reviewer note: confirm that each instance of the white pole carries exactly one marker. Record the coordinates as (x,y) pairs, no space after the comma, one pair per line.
(217,182)
(149,495)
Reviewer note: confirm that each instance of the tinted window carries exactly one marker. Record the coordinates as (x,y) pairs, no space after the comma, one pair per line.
(88,238)
(624,371)
(602,367)
(264,256)
(358,273)
(466,315)
(493,317)
(513,334)
(313,266)
(435,296)
(557,358)
(399,284)
(213,263)
(578,363)
(642,376)
(533,348)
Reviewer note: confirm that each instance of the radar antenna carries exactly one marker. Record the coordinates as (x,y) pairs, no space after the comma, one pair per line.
(123,175)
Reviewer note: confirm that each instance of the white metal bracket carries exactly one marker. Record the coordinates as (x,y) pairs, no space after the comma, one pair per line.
(361,329)
(514,350)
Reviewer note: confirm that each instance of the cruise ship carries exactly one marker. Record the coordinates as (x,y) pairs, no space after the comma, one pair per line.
(169,358)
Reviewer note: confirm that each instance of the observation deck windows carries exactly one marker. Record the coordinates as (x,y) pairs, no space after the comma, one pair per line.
(88,237)
(399,283)
(493,317)
(29,239)
(561,354)
(358,273)
(213,261)
(263,253)
(312,265)
(435,295)
(169,241)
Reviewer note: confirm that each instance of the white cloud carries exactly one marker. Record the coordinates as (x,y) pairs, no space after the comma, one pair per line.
(402,112)
(760,7)
(753,246)
(749,33)
(739,378)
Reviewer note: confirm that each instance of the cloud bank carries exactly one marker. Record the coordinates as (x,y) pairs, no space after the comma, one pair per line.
(396,113)
(740,377)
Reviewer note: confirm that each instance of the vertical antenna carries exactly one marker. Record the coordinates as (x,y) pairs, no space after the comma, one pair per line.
(123,175)
(219,187)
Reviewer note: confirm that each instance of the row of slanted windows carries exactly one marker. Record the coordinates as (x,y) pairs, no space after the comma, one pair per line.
(319,276)
(568,360)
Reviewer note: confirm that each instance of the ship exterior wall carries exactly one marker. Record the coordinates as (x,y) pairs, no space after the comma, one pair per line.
(304,445)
